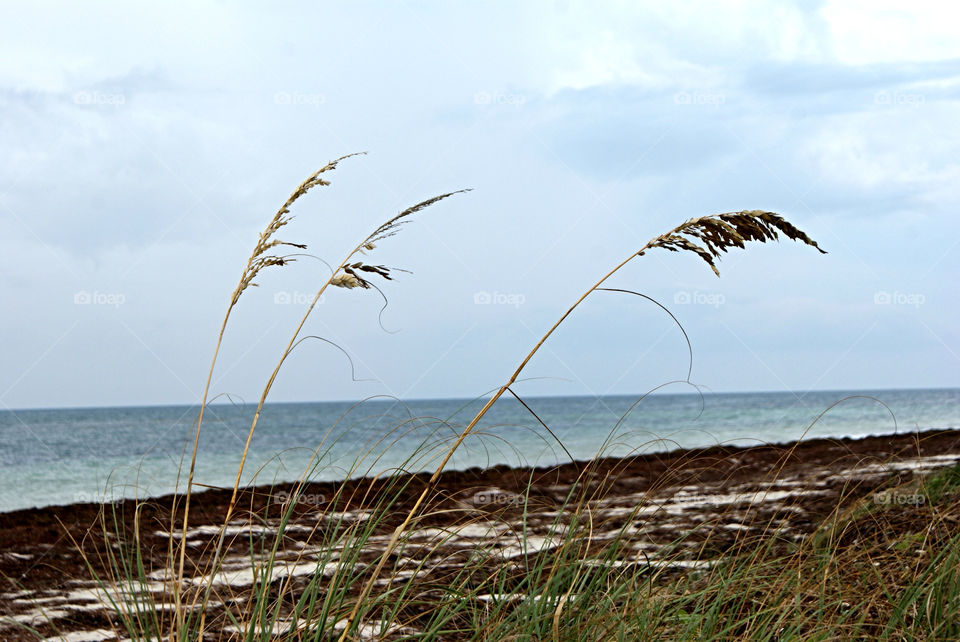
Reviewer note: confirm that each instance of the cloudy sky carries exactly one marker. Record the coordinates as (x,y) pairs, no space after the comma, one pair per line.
(146,145)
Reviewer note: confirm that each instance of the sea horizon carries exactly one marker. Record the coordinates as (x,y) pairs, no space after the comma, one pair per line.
(485,397)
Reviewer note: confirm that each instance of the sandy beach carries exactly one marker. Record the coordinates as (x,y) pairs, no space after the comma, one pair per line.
(709,499)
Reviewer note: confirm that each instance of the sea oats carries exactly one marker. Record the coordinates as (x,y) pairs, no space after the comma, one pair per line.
(716,233)
(349,276)
(719,232)
(348,281)
(259,259)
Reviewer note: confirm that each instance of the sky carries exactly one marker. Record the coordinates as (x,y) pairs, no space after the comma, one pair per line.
(145,146)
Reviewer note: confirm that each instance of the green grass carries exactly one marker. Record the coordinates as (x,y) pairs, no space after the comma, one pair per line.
(942,485)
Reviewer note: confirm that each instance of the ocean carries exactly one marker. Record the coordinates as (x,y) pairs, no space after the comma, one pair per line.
(63,456)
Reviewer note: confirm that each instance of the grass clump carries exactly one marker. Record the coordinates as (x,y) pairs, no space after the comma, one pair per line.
(942,485)
(538,557)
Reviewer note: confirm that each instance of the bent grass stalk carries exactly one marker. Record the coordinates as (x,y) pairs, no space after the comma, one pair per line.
(706,236)
(348,274)
(259,260)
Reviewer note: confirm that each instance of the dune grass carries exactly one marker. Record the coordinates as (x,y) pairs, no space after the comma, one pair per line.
(388,559)
(871,570)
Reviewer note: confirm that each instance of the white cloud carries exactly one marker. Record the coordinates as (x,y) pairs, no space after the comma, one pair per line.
(587,156)
(662,45)
(870,31)
(884,150)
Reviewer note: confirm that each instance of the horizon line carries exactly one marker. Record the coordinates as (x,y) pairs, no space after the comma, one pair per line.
(385,397)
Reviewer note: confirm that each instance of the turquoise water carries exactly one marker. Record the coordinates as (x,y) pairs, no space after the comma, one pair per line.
(62,456)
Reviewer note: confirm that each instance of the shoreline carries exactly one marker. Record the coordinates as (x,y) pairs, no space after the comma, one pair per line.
(719,495)
(659,454)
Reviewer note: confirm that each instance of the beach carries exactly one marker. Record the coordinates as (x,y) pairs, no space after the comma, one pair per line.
(670,513)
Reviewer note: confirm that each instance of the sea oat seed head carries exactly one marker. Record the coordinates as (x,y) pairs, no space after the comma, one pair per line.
(345,280)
